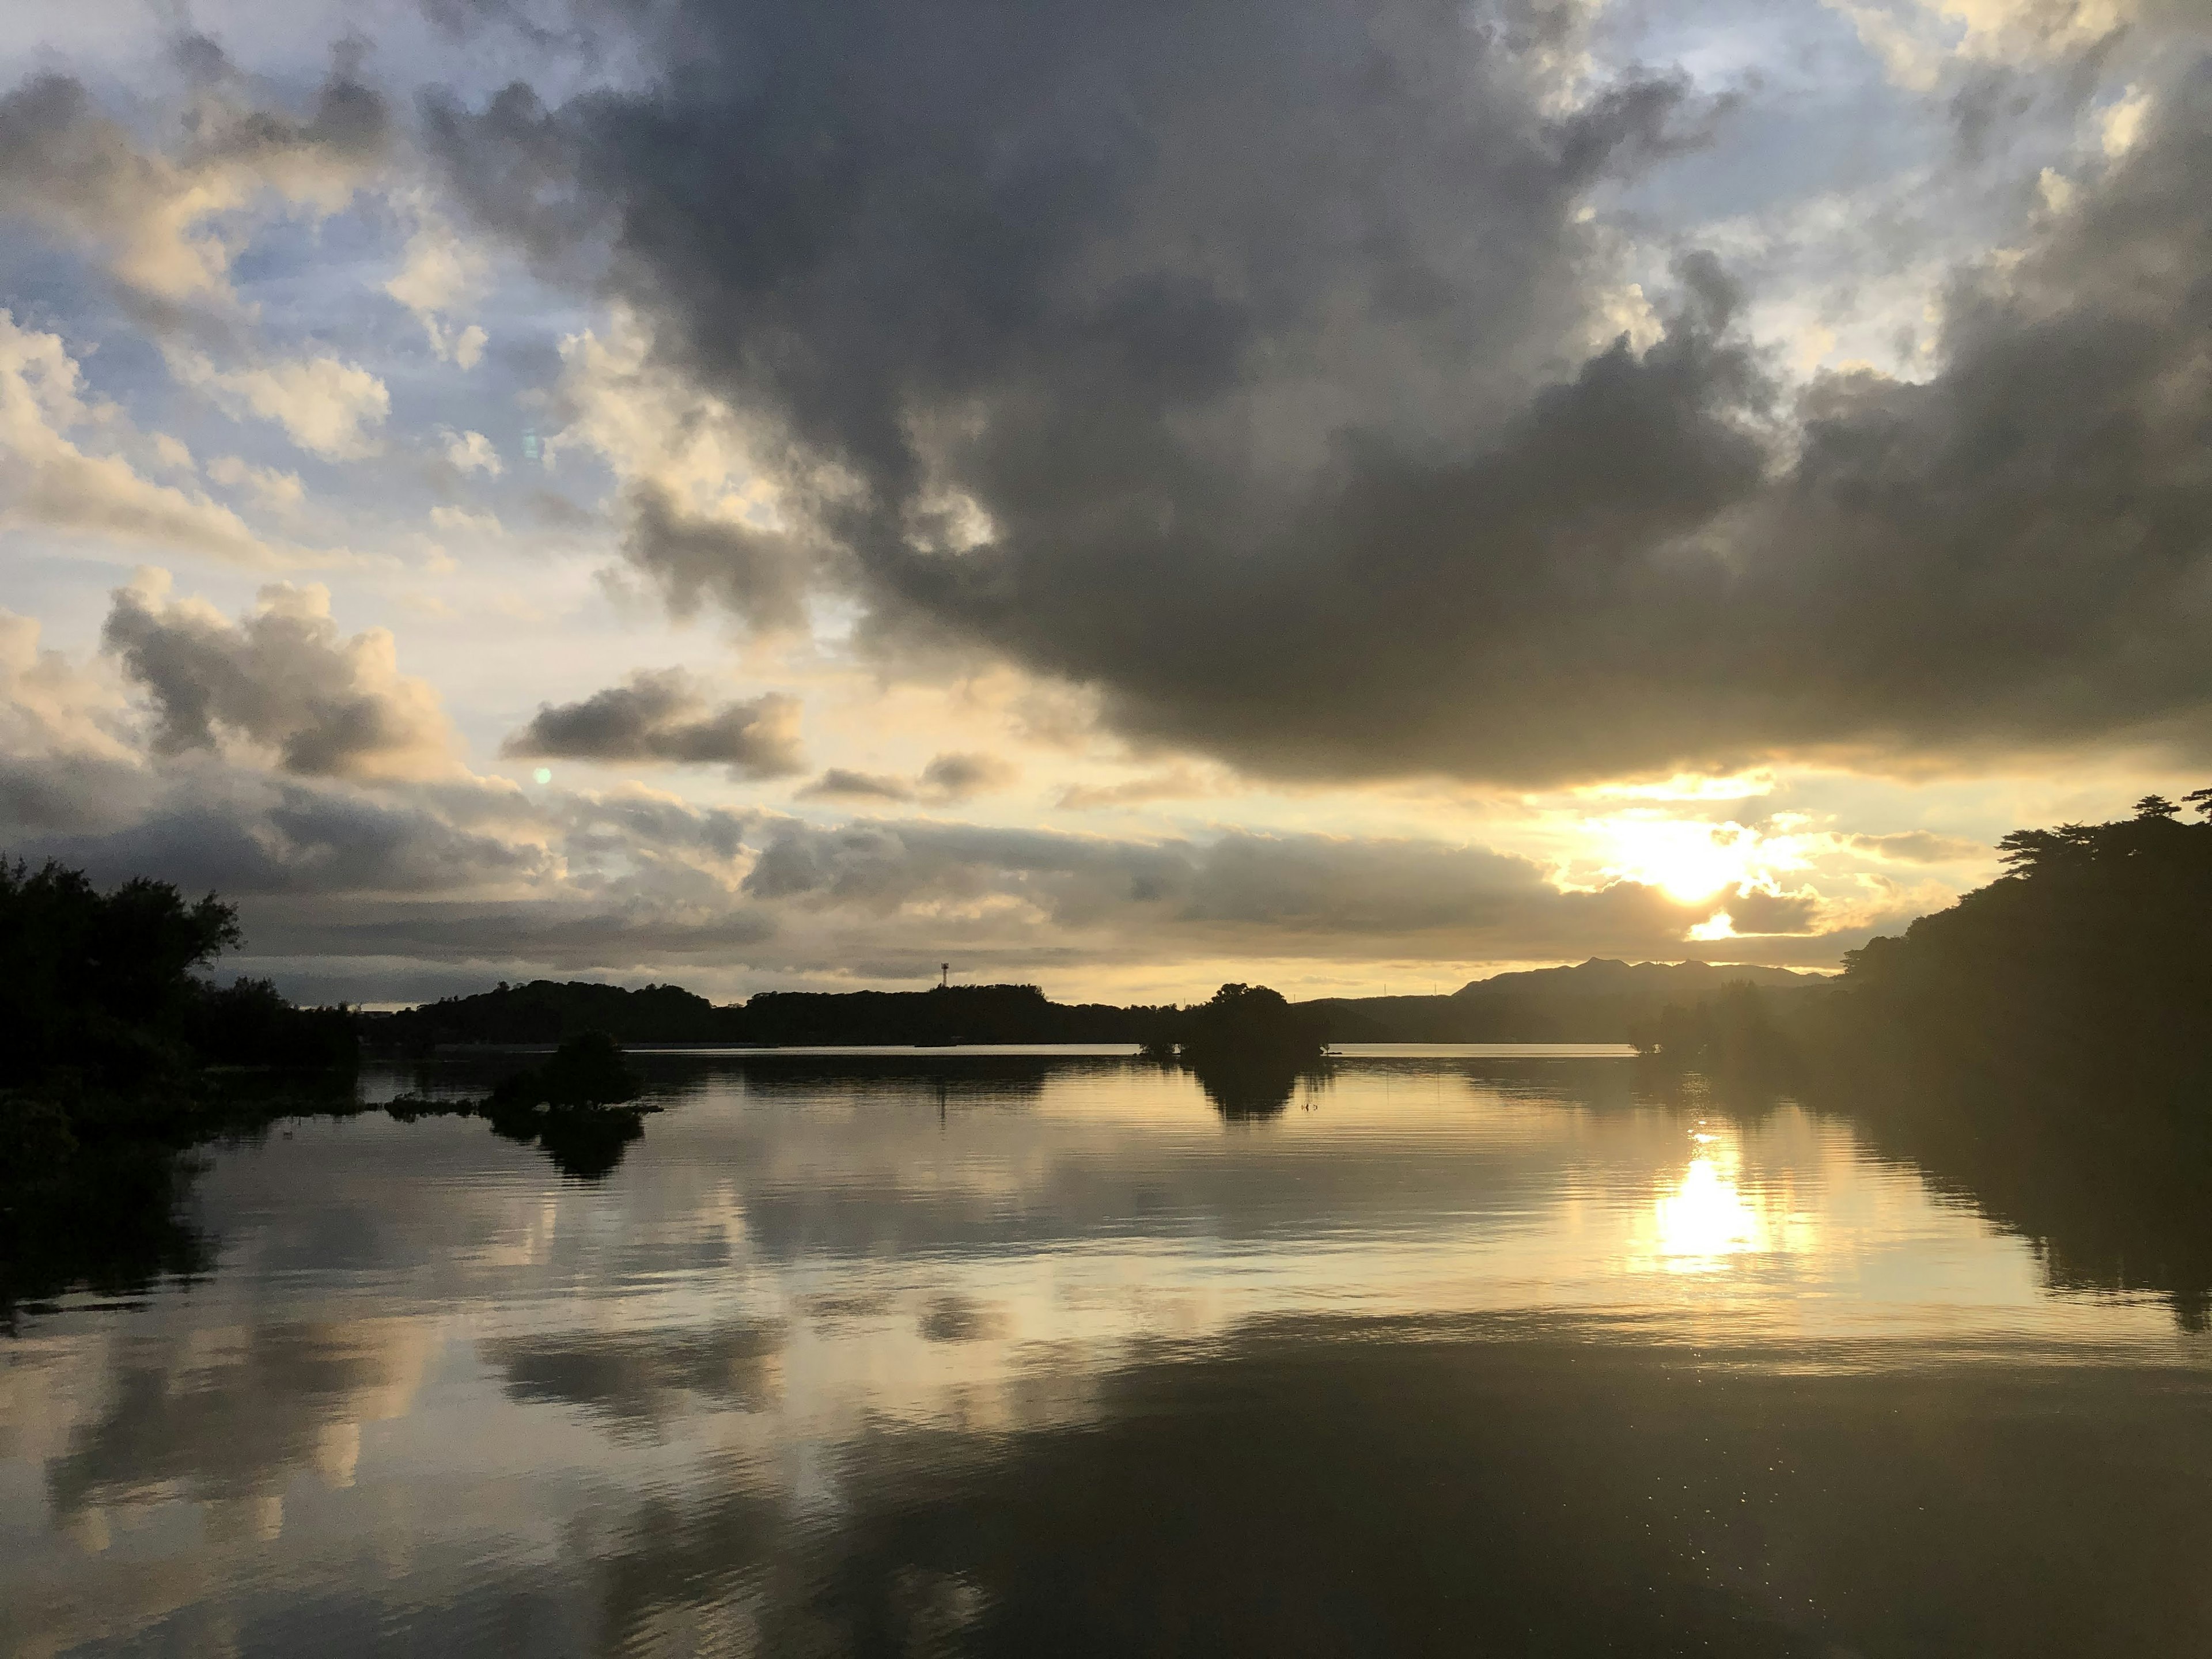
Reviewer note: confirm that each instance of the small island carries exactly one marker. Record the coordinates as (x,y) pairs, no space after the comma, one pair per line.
(1247,1046)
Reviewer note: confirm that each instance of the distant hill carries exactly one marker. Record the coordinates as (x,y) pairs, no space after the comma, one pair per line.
(1605,976)
(1594,1001)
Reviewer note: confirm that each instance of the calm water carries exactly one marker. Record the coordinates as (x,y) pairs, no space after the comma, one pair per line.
(942,1353)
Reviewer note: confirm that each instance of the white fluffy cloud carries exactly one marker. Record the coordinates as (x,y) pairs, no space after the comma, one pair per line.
(325,406)
(49,705)
(440,273)
(165,221)
(1919,40)
(48,481)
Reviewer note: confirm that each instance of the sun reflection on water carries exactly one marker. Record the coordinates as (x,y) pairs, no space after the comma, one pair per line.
(1705,1219)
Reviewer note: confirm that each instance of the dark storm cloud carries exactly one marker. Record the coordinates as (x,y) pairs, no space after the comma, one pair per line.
(1252,333)
(1759,912)
(247,836)
(760,575)
(665,716)
(73,794)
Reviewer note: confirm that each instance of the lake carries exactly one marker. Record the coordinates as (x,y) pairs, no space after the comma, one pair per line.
(1452,1351)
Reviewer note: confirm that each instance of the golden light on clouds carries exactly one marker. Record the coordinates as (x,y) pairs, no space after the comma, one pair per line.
(1688,859)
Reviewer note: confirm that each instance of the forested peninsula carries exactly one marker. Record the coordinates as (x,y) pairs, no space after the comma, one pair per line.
(2079,976)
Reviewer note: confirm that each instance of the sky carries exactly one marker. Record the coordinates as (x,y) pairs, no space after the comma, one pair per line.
(1114,498)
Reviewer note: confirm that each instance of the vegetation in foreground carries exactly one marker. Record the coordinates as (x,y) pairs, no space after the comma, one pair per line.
(112,1033)
(120,1057)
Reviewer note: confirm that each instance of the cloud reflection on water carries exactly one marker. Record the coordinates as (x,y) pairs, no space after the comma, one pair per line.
(690,1404)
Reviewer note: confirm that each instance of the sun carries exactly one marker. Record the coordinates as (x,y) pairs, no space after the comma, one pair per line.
(1690,860)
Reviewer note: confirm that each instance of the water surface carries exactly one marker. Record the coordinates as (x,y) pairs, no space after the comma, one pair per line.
(1457,1351)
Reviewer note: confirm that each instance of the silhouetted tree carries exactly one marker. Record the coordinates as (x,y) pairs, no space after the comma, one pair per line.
(1247,1022)
(2086,957)
(1250,1048)
(587,1070)
(101,984)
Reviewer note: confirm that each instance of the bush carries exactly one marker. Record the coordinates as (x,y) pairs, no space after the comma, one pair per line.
(584,1071)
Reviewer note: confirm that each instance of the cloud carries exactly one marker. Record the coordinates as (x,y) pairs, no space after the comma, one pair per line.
(48,705)
(324,405)
(1917,41)
(1758,911)
(472,451)
(664,715)
(272,490)
(281,679)
(155,219)
(373,879)
(919,884)
(948,778)
(839,783)
(440,272)
(702,518)
(1177,783)
(957,777)
(757,574)
(1920,846)
(1253,341)
(46,480)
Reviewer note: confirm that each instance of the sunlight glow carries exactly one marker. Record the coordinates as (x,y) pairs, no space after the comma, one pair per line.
(1720,925)
(1690,859)
(1705,1219)
(1688,785)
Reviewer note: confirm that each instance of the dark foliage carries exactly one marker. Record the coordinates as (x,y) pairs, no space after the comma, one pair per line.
(587,1070)
(1730,1034)
(100,984)
(1596,1001)
(954,1014)
(2084,964)
(1250,1022)
(108,1030)
(247,1022)
(102,994)
(548,1010)
(1248,1048)
(574,1107)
